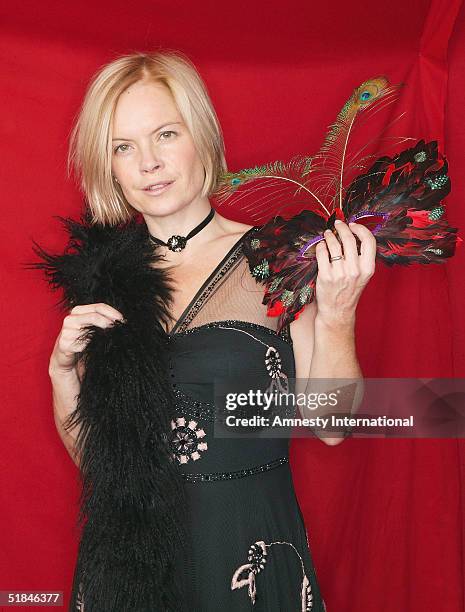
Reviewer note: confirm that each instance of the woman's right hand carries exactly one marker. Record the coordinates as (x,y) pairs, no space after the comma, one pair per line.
(63,358)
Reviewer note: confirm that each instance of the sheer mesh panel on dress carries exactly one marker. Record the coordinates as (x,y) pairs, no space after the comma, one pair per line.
(231,293)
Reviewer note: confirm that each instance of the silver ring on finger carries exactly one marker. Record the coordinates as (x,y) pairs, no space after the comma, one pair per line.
(336,257)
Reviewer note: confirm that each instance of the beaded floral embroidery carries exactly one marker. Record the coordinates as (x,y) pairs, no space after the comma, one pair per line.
(80,600)
(186,440)
(279,380)
(257,556)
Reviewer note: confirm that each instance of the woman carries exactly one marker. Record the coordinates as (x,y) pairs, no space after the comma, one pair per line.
(247,544)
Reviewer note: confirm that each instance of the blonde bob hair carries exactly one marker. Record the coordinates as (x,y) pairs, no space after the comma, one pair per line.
(90,150)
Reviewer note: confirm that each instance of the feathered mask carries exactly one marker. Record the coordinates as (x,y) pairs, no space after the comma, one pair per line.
(399,198)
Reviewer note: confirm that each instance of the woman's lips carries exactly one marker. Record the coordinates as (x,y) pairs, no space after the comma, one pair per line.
(158,189)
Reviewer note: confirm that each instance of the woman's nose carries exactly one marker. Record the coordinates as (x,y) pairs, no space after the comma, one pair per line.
(150,161)
(150,166)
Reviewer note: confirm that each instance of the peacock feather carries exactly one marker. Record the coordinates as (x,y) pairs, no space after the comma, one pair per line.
(315,182)
(399,198)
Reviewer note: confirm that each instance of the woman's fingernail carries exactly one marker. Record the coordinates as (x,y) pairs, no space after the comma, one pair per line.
(337,221)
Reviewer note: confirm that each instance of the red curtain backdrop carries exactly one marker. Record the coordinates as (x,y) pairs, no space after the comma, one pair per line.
(385,518)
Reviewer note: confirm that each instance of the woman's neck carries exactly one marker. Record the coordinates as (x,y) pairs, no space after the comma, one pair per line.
(181,223)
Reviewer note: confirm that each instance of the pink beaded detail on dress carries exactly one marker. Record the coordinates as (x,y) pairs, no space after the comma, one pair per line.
(257,557)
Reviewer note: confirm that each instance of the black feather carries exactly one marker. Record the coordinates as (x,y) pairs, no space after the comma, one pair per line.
(133,503)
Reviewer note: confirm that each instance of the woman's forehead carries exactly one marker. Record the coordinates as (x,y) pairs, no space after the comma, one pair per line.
(144,110)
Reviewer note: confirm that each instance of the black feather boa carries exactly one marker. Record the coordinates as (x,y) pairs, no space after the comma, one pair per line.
(132,504)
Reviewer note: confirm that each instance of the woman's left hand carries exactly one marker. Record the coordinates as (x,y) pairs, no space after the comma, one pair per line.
(340,283)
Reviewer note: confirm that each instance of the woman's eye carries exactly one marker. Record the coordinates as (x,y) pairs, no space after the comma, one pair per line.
(118,148)
(167,132)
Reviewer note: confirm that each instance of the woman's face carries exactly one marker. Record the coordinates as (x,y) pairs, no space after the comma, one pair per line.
(151,144)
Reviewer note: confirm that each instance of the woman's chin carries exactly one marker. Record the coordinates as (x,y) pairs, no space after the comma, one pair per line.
(160,207)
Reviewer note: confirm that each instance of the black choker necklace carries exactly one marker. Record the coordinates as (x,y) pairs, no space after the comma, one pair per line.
(177,243)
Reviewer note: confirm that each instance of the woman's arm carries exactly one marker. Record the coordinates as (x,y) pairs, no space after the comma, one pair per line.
(323,352)
(65,388)
(335,357)
(66,369)
(326,346)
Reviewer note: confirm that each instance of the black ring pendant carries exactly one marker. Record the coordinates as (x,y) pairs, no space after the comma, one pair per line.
(177,243)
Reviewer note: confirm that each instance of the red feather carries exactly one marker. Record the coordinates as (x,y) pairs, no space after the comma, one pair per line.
(399,199)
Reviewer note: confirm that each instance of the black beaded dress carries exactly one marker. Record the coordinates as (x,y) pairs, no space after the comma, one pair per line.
(248,547)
